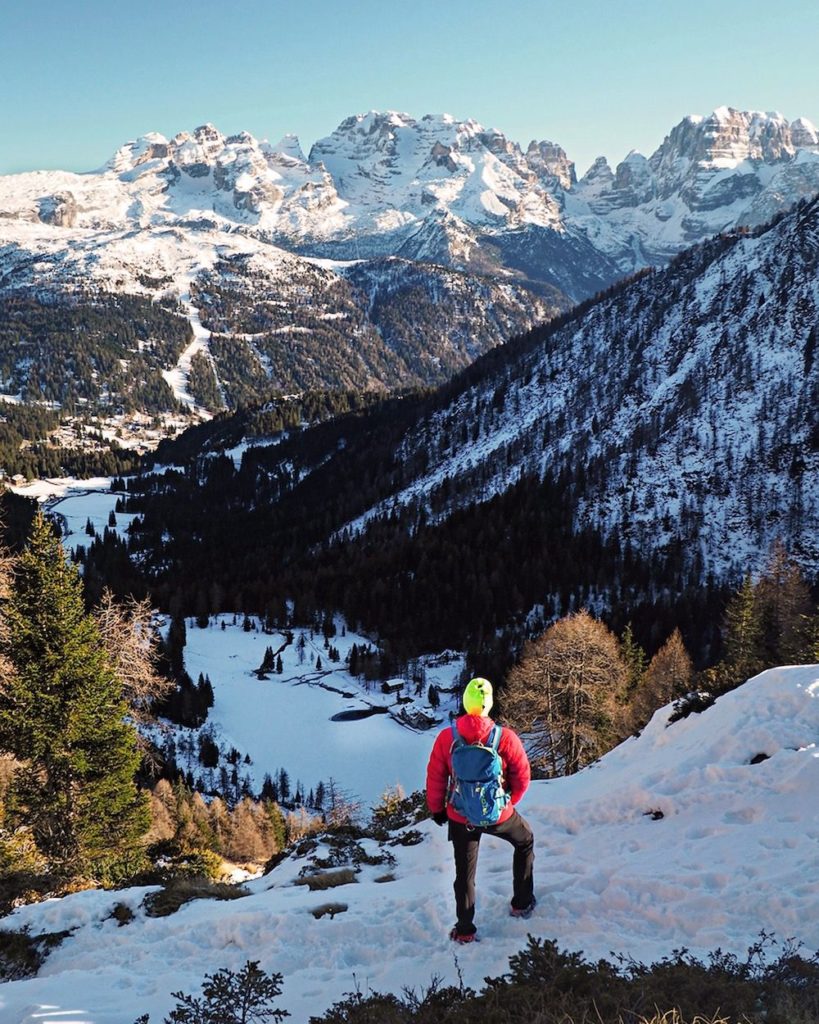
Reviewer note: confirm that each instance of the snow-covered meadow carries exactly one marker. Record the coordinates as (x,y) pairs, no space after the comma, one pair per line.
(288,719)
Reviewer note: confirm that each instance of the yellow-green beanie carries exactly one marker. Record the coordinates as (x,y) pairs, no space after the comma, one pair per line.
(478,697)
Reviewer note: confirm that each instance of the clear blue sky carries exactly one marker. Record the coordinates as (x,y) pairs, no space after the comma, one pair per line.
(80,77)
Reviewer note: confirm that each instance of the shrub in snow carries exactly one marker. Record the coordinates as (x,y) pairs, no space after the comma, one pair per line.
(691,704)
(182,890)
(396,811)
(546,984)
(328,910)
(327,879)
(229,997)
(22,954)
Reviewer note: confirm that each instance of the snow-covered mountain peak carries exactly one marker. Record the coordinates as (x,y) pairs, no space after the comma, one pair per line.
(804,134)
(551,164)
(288,147)
(151,146)
(367,190)
(599,171)
(727,137)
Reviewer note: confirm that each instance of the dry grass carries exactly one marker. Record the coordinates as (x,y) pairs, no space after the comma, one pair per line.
(674,1017)
(182,890)
(328,879)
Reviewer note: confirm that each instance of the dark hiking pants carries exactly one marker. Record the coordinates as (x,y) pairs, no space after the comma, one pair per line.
(465,842)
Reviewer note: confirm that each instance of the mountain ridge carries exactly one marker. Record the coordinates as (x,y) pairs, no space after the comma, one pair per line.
(167,219)
(367,188)
(638,454)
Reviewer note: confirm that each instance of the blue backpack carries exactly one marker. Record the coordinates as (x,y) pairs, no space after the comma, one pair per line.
(476,790)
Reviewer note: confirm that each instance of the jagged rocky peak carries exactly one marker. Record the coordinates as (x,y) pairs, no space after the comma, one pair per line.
(195,152)
(288,149)
(599,172)
(242,138)
(209,136)
(633,180)
(804,134)
(361,145)
(374,126)
(496,142)
(138,152)
(728,136)
(551,165)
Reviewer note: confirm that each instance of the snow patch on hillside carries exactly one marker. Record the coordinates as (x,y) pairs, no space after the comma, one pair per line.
(178,378)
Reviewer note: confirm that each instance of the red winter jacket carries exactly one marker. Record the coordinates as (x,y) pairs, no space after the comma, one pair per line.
(476,729)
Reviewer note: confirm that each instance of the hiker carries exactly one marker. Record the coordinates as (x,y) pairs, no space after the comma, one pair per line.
(473,745)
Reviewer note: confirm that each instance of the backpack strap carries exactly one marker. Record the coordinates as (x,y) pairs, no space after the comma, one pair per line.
(457,740)
(494,737)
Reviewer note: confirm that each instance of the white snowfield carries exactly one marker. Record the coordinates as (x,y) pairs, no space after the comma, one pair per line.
(734,852)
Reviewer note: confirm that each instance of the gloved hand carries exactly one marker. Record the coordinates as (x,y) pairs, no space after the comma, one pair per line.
(440,817)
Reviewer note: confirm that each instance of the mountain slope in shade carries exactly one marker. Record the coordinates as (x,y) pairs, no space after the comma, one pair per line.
(681,409)
(695,834)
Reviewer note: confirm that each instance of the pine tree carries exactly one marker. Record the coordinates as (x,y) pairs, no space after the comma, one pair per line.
(230,997)
(634,657)
(785,610)
(743,640)
(62,716)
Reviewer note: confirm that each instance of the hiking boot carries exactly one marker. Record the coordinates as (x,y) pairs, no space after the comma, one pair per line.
(462,937)
(526,912)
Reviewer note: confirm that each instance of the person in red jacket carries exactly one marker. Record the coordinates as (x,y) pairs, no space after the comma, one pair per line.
(475,727)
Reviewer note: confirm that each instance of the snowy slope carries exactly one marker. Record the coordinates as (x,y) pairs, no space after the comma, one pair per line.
(683,405)
(734,852)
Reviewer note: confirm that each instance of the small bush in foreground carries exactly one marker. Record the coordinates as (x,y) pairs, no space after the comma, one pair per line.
(22,954)
(229,997)
(551,986)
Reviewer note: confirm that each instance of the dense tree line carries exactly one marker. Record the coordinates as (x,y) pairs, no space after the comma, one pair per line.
(255,542)
(267,419)
(184,824)
(28,446)
(69,350)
